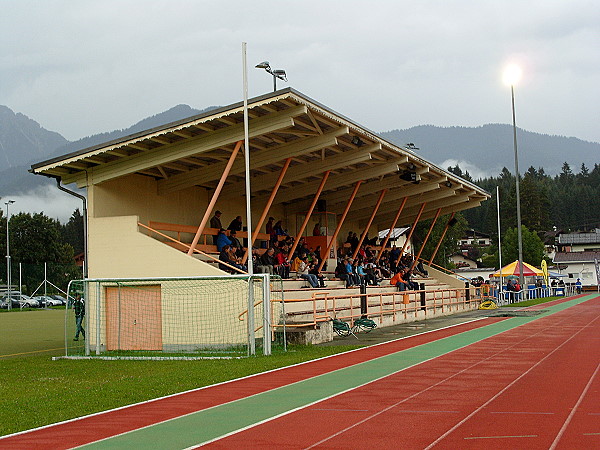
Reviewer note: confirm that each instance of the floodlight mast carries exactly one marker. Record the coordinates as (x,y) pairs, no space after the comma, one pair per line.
(8,271)
(277,73)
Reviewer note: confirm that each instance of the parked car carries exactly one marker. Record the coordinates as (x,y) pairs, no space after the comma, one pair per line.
(59,298)
(45,301)
(20,301)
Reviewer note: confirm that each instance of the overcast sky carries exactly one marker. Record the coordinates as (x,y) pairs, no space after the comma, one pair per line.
(82,67)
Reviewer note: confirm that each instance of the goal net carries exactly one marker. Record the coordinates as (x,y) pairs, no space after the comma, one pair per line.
(173,318)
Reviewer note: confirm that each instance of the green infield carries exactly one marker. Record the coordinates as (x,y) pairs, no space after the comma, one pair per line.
(36,390)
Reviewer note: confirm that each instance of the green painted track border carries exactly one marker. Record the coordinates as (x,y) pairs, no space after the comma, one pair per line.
(219,421)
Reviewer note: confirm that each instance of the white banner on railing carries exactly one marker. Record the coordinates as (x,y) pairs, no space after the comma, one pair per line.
(597,271)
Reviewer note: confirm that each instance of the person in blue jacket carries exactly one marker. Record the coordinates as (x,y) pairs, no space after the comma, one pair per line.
(222,240)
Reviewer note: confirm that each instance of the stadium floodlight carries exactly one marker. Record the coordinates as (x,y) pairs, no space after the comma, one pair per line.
(8,274)
(277,73)
(512,74)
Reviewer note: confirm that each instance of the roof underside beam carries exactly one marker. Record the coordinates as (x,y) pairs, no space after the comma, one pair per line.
(306,170)
(159,156)
(431,195)
(448,205)
(260,158)
(375,186)
(337,181)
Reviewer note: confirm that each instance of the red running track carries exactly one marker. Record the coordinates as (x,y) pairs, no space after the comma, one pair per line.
(102,425)
(536,386)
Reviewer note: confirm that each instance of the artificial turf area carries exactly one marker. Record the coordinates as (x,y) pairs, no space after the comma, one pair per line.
(532,302)
(36,390)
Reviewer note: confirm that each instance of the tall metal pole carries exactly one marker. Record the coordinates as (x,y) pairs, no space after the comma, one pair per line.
(8,274)
(251,335)
(499,237)
(247,159)
(519,233)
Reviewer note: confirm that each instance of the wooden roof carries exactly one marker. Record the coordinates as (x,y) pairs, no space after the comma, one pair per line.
(284,124)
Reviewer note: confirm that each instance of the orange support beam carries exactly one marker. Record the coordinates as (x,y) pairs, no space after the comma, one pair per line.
(215,197)
(437,214)
(309,212)
(364,233)
(437,247)
(340,223)
(267,207)
(387,238)
(412,229)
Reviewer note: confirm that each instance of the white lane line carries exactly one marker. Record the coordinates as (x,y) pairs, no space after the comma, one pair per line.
(443,436)
(568,421)
(503,437)
(520,412)
(332,409)
(356,424)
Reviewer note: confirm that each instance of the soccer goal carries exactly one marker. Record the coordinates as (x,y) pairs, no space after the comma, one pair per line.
(173,318)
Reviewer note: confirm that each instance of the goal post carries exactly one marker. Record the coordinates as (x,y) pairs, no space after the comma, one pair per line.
(173,318)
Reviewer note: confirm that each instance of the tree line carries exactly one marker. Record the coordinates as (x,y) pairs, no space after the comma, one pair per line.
(36,239)
(566,202)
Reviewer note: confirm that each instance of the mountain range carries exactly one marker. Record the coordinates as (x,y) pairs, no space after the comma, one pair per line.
(482,151)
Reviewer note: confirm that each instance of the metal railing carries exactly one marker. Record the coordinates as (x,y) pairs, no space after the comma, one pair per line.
(509,297)
(381,306)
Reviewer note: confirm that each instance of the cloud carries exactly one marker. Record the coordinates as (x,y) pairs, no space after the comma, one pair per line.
(47,200)
(475,172)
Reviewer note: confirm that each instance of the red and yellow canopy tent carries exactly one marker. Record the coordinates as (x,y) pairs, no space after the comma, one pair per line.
(513,269)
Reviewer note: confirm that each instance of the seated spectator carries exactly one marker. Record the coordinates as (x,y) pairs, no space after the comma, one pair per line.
(304,273)
(372,273)
(398,281)
(267,260)
(353,277)
(257,263)
(282,263)
(314,269)
(359,270)
(408,278)
(227,257)
(296,263)
(222,240)
(341,272)
(236,244)
(420,270)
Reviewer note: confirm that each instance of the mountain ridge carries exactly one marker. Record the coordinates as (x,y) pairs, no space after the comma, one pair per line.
(485,148)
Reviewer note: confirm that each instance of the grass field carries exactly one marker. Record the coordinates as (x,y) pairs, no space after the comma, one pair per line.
(37,391)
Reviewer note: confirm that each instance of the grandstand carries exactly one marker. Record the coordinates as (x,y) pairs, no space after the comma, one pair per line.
(150,197)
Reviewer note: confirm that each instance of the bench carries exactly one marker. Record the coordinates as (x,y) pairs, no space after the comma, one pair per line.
(202,245)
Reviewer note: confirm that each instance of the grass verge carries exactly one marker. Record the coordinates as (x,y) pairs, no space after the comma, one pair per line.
(535,301)
(37,391)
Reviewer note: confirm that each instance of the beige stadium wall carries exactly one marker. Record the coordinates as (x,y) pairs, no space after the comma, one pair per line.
(116,249)
(137,195)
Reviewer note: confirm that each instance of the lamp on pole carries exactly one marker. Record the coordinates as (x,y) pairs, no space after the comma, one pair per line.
(277,73)
(512,74)
(8,280)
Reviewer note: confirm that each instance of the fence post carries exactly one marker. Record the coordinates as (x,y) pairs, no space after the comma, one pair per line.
(467,292)
(266,315)
(422,294)
(363,300)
